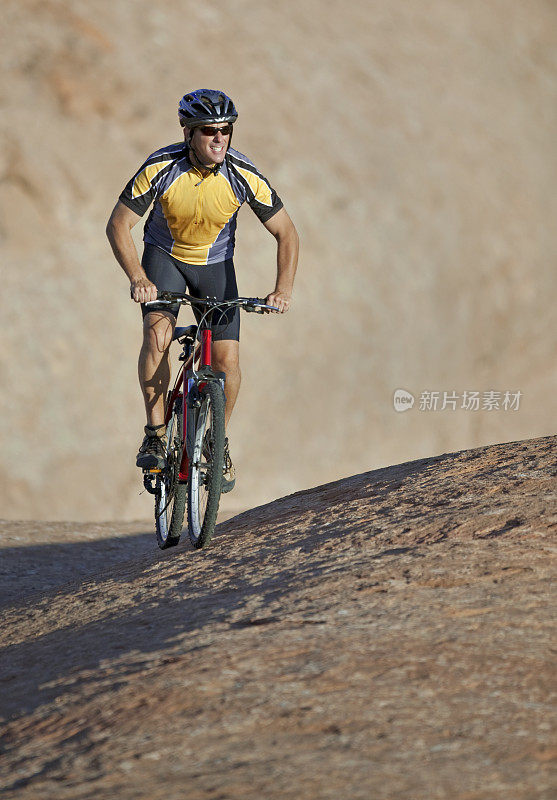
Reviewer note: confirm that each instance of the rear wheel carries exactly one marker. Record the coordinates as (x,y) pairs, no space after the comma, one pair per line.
(205,481)
(170,500)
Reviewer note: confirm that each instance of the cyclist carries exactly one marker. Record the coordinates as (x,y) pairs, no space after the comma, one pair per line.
(197,187)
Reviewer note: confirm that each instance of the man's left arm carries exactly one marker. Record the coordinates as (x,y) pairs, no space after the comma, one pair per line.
(282,228)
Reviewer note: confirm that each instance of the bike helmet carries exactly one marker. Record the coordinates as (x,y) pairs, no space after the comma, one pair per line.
(206,105)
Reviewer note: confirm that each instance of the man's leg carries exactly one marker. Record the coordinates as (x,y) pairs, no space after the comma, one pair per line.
(226,358)
(154,364)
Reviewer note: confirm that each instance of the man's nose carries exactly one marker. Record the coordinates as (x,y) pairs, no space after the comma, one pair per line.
(218,137)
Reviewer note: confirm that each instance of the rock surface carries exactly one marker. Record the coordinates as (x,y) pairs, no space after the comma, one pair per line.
(385,636)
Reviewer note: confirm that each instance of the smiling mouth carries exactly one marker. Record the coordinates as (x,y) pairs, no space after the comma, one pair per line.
(217,148)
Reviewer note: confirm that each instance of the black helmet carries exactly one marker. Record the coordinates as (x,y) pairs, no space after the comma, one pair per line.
(206,105)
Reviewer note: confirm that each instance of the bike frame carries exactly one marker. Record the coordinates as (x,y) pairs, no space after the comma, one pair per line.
(189,381)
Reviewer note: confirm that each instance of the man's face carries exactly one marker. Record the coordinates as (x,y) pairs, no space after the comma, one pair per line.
(210,144)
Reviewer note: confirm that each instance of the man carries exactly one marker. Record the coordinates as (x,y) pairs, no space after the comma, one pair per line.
(197,187)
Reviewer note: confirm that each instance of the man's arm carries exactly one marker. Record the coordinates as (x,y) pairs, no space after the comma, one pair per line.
(119,235)
(282,228)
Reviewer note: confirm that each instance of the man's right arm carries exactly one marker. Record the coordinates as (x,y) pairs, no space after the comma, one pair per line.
(119,235)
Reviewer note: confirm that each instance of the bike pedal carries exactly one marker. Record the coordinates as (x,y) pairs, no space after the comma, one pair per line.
(152,471)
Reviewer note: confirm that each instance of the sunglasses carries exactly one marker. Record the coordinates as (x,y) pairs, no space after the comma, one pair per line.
(208,130)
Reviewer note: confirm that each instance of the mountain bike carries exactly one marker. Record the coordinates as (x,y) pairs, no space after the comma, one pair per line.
(195,435)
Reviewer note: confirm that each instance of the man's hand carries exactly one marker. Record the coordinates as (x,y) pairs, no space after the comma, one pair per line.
(142,290)
(279,299)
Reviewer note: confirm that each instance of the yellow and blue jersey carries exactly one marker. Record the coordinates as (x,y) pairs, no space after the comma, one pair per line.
(194,213)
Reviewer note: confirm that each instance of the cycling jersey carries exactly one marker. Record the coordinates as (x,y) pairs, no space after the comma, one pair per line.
(194,217)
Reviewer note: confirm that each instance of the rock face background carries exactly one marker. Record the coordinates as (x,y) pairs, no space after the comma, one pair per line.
(387,635)
(413,145)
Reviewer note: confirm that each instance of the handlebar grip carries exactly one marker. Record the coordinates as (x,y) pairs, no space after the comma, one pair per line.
(259,306)
(160,301)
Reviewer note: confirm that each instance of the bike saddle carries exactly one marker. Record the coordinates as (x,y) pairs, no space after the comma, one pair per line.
(190,331)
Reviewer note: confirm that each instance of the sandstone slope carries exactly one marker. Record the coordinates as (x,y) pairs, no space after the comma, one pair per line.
(385,636)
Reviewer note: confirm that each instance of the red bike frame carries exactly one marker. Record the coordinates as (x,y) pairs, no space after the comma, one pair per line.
(183,385)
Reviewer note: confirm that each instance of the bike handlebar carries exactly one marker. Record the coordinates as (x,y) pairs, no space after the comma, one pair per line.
(252,304)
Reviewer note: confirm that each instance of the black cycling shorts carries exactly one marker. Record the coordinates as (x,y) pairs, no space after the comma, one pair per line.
(210,280)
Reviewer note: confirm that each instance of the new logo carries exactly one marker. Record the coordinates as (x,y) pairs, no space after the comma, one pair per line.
(402,400)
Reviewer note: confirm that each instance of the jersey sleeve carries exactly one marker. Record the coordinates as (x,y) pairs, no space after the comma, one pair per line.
(262,198)
(257,191)
(141,189)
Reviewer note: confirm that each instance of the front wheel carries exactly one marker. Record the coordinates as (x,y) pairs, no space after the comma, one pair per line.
(170,500)
(206,467)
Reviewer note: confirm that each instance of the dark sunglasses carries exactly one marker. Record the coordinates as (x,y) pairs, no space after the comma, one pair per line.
(208,130)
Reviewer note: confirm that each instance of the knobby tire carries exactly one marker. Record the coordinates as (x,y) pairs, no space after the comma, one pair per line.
(206,468)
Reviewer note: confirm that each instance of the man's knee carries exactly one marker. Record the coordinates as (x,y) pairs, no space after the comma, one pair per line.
(226,356)
(158,329)
(230,366)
